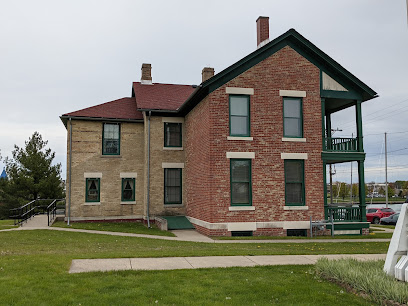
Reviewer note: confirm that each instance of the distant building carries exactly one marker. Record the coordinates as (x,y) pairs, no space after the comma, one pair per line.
(3,174)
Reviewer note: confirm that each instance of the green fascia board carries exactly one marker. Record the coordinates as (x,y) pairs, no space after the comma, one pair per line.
(342,157)
(297,42)
(347,95)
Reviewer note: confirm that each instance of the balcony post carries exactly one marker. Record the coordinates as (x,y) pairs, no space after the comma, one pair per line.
(361,191)
(359,123)
(323,123)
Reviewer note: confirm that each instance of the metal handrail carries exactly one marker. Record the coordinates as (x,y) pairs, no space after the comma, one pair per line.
(25,212)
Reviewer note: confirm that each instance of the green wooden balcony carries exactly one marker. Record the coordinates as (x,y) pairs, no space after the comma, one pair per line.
(344,214)
(341,144)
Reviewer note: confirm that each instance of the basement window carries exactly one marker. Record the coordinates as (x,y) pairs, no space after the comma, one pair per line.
(296,233)
(241,233)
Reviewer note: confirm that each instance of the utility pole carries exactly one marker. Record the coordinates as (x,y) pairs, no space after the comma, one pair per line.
(386,171)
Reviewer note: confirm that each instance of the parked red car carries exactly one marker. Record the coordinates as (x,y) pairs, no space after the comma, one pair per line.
(375,214)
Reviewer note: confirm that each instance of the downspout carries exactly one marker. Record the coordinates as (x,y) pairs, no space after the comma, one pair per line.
(70,168)
(148,169)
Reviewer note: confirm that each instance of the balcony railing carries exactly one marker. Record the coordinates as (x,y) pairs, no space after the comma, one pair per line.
(348,214)
(341,144)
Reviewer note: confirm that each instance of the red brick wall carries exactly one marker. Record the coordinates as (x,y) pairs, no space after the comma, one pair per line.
(197,162)
(209,199)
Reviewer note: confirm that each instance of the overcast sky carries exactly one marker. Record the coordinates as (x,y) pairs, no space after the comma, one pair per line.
(61,56)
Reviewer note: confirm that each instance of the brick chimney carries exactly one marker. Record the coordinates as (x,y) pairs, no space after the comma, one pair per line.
(207,73)
(146,74)
(262,31)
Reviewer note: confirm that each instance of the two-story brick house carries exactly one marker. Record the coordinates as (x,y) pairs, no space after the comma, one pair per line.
(244,152)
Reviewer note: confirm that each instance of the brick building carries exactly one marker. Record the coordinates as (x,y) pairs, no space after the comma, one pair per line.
(245,152)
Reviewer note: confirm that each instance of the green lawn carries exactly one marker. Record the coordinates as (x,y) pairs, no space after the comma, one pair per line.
(384,226)
(6,224)
(34,270)
(125,227)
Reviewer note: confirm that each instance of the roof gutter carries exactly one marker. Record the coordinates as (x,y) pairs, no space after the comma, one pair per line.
(65,118)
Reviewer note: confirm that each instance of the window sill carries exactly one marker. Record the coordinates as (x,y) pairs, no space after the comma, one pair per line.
(241,208)
(240,138)
(173,148)
(296,208)
(91,203)
(111,156)
(291,139)
(173,205)
(127,202)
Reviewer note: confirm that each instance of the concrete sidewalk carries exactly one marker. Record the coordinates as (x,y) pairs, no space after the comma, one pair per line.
(174,263)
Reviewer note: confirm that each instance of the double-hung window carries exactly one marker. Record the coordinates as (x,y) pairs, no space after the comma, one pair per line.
(172,186)
(172,134)
(239,113)
(111,139)
(294,182)
(241,182)
(93,190)
(128,189)
(292,117)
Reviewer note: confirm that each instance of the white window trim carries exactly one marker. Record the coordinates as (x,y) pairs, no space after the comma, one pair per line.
(173,119)
(292,93)
(126,203)
(293,155)
(289,139)
(128,175)
(239,91)
(241,208)
(91,203)
(173,148)
(240,138)
(92,175)
(172,165)
(250,155)
(296,208)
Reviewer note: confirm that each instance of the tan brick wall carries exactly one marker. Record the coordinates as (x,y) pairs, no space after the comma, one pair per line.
(158,156)
(87,157)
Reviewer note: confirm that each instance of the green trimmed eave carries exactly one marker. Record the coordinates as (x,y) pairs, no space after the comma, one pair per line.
(336,157)
(301,45)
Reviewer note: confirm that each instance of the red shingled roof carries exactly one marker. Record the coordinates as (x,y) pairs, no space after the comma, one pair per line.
(161,96)
(124,108)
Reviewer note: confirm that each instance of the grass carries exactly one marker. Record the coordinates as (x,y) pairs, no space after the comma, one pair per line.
(367,277)
(370,236)
(6,224)
(34,270)
(384,226)
(124,227)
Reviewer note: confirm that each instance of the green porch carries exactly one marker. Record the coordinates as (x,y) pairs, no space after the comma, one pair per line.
(336,97)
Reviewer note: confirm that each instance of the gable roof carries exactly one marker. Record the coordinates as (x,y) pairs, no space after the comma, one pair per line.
(297,42)
(124,109)
(159,96)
